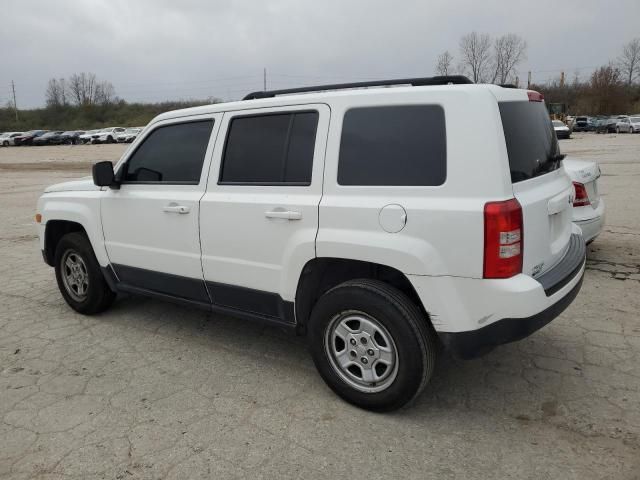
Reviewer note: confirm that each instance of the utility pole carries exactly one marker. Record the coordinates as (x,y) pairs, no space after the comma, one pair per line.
(264,79)
(561,79)
(529,80)
(15,105)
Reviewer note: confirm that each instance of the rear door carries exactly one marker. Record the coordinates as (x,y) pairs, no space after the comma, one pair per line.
(540,185)
(259,216)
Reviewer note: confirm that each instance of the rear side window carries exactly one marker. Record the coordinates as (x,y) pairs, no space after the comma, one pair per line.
(395,145)
(171,154)
(531,140)
(270,149)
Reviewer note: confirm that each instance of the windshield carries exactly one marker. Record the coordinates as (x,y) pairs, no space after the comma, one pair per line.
(532,145)
(558,123)
(132,130)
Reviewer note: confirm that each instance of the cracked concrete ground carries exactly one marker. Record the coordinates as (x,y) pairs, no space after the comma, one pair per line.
(153,390)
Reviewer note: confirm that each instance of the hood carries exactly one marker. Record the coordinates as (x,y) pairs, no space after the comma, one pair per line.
(83,185)
(581,171)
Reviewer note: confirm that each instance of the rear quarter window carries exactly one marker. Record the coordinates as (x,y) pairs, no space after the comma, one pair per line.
(393,145)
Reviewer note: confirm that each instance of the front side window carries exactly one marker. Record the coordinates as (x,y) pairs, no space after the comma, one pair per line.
(393,146)
(171,154)
(270,149)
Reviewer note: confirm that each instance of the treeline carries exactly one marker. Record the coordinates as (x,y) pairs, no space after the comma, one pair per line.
(86,117)
(606,92)
(611,89)
(84,102)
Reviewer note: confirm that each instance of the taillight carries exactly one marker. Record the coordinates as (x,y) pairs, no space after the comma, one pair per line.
(582,198)
(535,96)
(503,239)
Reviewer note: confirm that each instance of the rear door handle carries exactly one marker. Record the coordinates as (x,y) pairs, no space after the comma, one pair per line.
(172,208)
(285,214)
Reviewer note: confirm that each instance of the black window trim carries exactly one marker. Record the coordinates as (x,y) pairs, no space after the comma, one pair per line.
(267,114)
(122,171)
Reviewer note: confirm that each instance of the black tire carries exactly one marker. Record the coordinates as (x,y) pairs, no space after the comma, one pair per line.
(109,139)
(414,340)
(98,296)
(5,144)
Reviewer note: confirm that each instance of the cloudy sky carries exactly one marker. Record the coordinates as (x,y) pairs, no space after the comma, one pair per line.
(168,49)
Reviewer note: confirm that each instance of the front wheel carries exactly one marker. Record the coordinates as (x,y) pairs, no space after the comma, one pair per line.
(371,344)
(79,276)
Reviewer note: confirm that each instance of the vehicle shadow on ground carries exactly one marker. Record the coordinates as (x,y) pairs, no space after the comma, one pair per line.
(506,380)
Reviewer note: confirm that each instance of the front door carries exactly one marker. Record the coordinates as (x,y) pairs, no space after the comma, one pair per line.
(259,216)
(150,224)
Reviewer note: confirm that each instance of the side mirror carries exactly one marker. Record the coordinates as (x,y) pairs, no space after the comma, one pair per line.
(103,174)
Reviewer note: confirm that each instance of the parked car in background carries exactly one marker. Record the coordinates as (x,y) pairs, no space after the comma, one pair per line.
(607,125)
(8,138)
(70,137)
(47,139)
(581,124)
(129,135)
(588,207)
(626,125)
(562,130)
(88,136)
(107,135)
(27,137)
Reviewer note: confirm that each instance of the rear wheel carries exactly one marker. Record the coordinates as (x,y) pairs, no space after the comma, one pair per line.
(5,144)
(79,276)
(371,344)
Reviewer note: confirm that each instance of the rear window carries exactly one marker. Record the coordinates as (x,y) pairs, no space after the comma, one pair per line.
(531,141)
(395,145)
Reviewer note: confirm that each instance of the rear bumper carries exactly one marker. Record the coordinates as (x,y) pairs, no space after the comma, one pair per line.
(590,220)
(473,316)
(467,345)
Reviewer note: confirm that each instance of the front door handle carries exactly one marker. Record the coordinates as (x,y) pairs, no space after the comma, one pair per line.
(285,214)
(172,208)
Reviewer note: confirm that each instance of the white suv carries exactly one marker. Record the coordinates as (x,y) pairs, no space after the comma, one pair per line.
(378,222)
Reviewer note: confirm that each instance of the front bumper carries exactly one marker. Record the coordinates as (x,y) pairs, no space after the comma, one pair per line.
(473,316)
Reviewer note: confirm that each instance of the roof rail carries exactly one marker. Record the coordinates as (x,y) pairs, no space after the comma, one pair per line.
(415,82)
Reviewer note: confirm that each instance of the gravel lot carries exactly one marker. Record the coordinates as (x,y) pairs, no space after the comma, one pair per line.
(152,390)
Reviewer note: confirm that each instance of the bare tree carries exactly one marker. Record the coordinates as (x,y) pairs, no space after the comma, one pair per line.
(508,51)
(475,50)
(629,61)
(445,63)
(85,89)
(104,93)
(56,94)
(82,87)
(607,90)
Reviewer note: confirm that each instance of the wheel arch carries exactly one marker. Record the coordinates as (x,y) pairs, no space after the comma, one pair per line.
(54,231)
(320,274)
